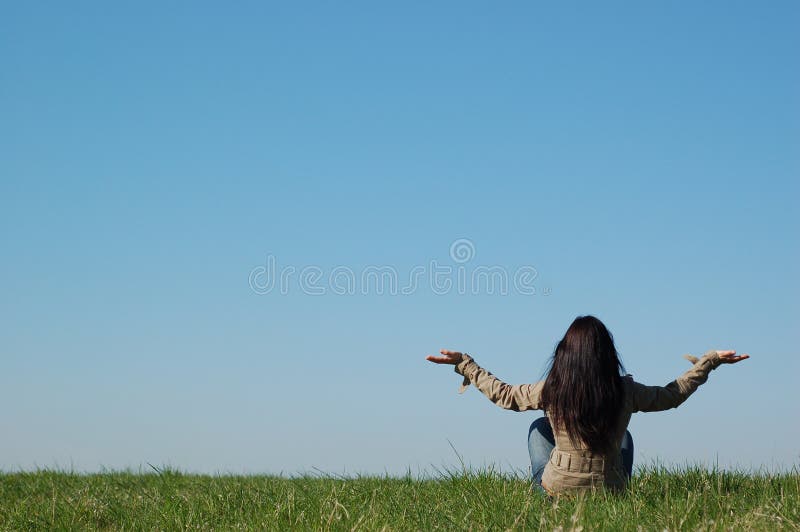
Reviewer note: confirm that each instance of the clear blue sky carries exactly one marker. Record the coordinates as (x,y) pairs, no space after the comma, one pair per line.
(642,156)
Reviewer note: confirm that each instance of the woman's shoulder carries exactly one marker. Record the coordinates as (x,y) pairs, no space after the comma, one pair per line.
(629,385)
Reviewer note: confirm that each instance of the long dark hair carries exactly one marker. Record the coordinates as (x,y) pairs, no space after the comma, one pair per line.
(583,392)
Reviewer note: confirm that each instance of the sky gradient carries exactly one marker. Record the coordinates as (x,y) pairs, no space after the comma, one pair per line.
(641,157)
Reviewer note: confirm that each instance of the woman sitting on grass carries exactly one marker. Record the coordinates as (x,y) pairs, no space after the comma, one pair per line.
(585,442)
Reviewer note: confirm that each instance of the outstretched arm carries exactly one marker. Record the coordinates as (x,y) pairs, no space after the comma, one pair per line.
(517,397)
(656,398)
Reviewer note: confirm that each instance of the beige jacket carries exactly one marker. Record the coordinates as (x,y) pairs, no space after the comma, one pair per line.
(572,467)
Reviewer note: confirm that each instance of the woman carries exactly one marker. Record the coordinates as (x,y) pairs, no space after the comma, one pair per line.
(583,442)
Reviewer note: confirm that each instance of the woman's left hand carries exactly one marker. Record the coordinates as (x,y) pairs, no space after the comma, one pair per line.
(450,357)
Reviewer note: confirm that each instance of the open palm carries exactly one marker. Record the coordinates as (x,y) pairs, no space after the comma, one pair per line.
(726,357)
(449,357)
(730,357)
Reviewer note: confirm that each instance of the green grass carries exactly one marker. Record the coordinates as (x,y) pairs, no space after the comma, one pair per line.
(658,499)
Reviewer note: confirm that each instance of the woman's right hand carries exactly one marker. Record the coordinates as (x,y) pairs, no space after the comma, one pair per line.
(730,357)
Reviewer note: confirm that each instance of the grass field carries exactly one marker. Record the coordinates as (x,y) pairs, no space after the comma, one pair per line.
(658,499)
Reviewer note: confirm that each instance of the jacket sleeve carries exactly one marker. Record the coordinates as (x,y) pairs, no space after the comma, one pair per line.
(656,398)
(517,397)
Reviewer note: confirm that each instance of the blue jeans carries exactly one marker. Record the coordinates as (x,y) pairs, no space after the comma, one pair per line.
(541,442)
